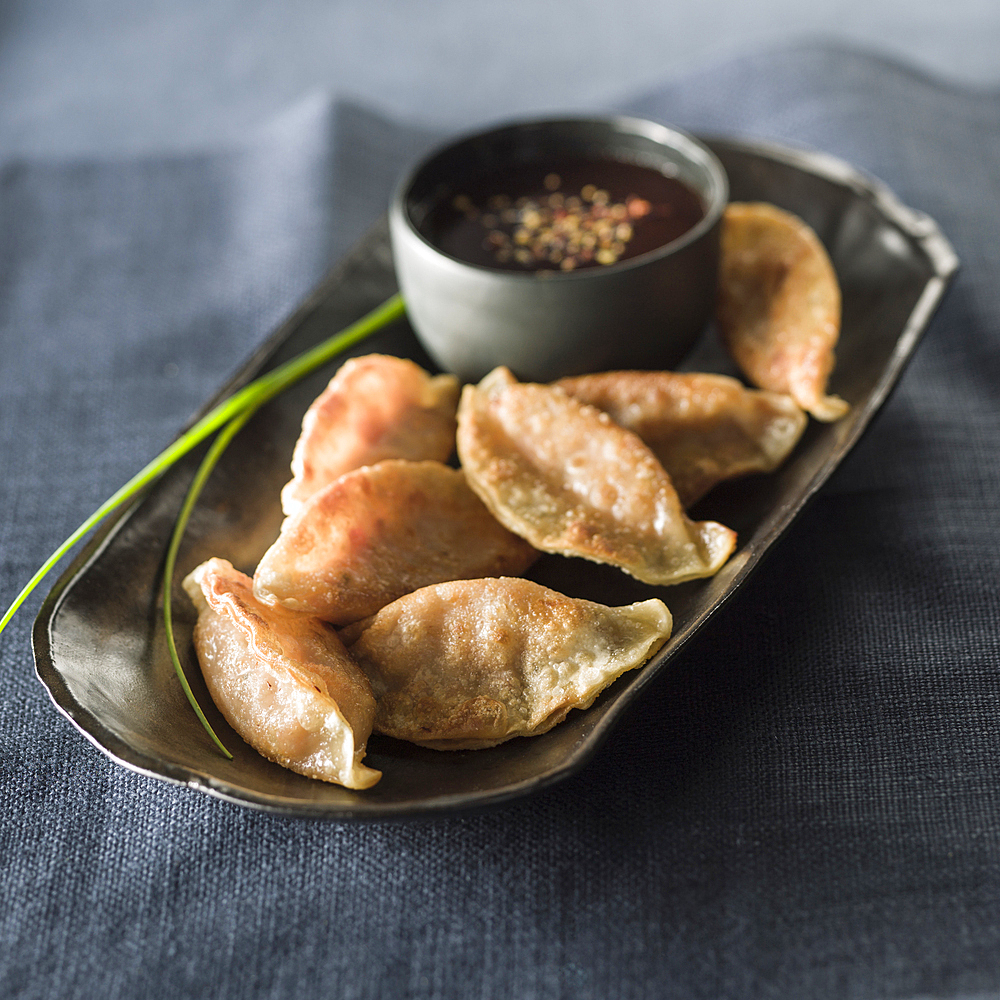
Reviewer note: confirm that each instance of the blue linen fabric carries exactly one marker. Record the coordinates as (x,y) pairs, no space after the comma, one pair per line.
(807,806)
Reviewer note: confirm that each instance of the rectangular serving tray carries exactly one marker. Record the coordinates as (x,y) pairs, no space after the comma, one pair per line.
(98,639)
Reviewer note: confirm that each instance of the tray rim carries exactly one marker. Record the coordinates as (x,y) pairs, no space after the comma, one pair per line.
(917,225)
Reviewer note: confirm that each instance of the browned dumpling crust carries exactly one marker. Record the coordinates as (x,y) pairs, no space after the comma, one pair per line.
(284,682)
(703,428)
(564,476)
(375,407)
(472,663)
(779,305)
(382,531)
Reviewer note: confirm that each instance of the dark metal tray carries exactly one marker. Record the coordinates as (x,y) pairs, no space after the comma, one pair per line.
(98,639)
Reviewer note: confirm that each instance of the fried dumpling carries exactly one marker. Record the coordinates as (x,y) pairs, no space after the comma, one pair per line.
(471,663)
(703,428)
(375,407)
(284,682)
(779,305)
(379,532)
(564,476)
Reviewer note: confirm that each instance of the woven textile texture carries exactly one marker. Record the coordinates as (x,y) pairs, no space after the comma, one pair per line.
(807,806)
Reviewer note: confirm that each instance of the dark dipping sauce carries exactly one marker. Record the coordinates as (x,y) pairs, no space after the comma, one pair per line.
(562,215)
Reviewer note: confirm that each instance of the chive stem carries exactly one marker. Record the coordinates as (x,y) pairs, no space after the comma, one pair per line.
(254,394)
(208,463)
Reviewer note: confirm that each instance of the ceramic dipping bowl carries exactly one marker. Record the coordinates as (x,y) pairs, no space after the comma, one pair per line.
(558,247)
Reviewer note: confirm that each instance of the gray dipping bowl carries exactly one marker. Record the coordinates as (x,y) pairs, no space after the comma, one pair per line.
(645,312)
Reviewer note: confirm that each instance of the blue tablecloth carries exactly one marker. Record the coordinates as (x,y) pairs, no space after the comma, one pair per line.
(808,806)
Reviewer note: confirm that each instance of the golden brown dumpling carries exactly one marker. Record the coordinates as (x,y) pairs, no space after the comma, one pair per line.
(375,407)
(564,476)
(703,428)
(779,305)
(284,682)
(379,532)
(472,663)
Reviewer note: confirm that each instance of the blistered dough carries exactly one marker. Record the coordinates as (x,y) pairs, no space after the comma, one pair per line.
(564,476)
(472,663)
(379,532)
(703,428)
(779,305)
(375,407)
(284,682)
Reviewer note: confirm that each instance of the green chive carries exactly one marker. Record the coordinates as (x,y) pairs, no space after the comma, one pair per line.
(208,463)
(252,395)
